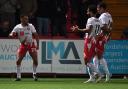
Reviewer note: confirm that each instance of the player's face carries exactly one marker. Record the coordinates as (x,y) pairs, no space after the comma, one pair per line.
(88,12)
(99,9)
(24,20)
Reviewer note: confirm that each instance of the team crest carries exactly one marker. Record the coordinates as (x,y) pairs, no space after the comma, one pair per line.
(22,33)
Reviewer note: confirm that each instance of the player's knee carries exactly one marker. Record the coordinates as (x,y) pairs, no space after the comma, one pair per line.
(85,61)
(18,62)
(100,56)
(35,62)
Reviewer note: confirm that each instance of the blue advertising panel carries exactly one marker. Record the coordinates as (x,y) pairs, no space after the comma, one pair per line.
(116,54)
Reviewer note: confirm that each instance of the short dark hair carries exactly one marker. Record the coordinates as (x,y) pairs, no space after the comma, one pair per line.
(22,15)
(102,5)
(93,9)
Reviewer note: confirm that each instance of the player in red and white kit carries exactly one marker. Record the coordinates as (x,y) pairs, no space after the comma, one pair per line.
(26,33)
(93,29)
(106,20)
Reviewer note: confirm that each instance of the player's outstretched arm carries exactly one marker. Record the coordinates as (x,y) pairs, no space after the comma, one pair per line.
(83,30)
(76,28)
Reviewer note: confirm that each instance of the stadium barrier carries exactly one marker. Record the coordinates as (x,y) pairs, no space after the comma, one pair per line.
(62,57)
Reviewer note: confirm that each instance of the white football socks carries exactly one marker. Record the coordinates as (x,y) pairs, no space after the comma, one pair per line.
(34,69)
(18,71)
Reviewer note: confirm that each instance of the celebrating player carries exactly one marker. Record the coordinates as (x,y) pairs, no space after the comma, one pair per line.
(93,29)
(106,21)
(26,33)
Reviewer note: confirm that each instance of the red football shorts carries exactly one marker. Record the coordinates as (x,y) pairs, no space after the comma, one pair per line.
(100,45)
(24,48)
(89,49)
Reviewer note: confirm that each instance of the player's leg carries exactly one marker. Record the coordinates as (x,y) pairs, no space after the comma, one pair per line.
(33,54)
(105,68)
(96,62)
(20,55)
(99,56)
(104,62)
(100,52)
(88,54)
(93,72)
(98,75)
(90,70)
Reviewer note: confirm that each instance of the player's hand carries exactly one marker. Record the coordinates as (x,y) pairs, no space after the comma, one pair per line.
(12,34)
(74,28)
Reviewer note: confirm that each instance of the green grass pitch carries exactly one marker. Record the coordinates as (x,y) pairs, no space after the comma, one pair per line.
(61,83)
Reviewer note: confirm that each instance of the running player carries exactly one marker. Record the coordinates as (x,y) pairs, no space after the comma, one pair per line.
(25,33)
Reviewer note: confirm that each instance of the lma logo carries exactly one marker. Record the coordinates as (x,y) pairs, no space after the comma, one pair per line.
(62,50)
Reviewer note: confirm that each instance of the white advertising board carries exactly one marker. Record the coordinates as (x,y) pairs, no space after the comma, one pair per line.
(54,56)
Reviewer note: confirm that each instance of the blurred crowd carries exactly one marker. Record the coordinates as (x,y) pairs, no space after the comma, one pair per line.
(50,17)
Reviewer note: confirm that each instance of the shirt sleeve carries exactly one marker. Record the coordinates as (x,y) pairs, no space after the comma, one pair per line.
(103,19)
(15,29)
(33,29)
(89,23)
